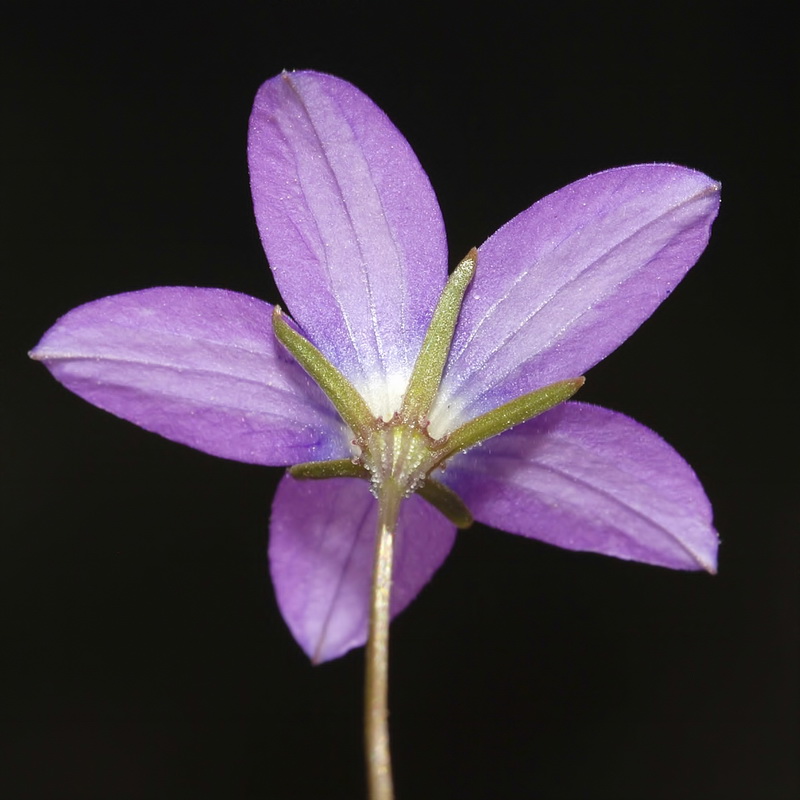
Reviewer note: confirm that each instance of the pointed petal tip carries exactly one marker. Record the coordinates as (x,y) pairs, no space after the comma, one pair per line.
(710,564)
(703,551)
(699,562)
(711,189)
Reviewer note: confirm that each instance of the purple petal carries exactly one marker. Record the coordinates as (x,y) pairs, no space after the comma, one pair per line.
(321,550)
(567,281)
(198,366)
(586,478)
(350,225)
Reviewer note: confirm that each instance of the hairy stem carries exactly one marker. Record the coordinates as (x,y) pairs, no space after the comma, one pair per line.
(376,689)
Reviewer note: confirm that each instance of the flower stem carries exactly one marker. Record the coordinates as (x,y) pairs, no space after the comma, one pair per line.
(376,689)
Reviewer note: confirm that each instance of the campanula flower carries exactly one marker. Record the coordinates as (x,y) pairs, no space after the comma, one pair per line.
(355,239)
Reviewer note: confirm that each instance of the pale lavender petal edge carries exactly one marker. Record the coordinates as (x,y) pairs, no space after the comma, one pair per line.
(350,225)
(321,551)
(197,366)
(568,280)
(586,478)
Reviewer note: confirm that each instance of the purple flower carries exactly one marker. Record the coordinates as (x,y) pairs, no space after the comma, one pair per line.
(356,242)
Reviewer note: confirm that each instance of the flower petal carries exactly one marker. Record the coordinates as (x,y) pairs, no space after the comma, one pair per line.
(350,225)
(321,551)
(564,283)
(198,366)
(586,478)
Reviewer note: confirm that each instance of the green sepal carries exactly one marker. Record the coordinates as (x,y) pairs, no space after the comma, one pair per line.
(444,499)
(428,369)
(348,402)
(506,416)
(338,468)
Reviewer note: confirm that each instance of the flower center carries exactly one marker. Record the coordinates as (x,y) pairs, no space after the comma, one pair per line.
(397,452)
(398,455)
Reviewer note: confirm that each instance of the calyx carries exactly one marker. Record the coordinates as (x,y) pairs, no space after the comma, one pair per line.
(399,455)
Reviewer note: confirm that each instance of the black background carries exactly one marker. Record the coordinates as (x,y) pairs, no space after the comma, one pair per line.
(143,654)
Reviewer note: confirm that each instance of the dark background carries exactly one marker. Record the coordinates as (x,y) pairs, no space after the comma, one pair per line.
(143,654)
